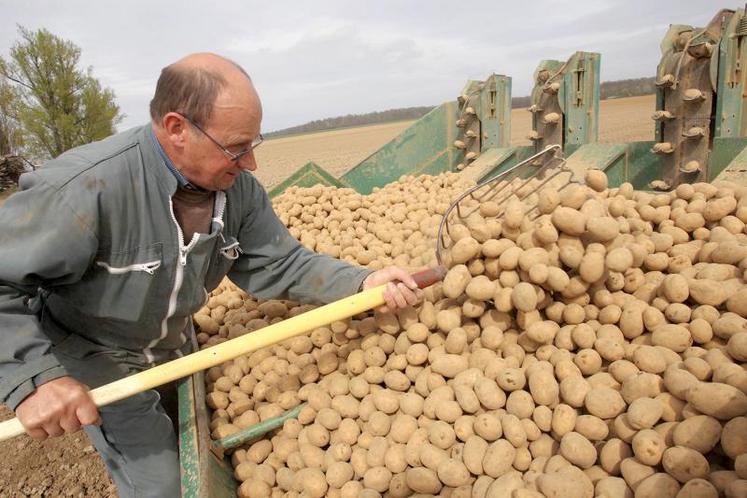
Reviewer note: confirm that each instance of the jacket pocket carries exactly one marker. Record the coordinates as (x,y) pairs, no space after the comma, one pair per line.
(122,285)
(227,251)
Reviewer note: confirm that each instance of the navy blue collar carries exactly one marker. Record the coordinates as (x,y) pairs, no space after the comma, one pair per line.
(181,179)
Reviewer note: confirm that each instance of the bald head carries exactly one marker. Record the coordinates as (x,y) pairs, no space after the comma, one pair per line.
(193,86)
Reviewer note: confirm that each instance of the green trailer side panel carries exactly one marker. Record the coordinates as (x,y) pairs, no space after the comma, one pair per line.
(643,166)
(607,157)
(728,160)
(487,162)
(309,175)
(188,442)
(426,146)
(495,161)
(203,474)
(436,165)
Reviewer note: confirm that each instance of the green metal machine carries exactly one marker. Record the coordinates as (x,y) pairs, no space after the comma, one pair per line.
(700,132)
(565,112)
(701,135)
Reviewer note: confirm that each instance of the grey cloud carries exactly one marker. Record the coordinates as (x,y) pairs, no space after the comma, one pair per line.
(311,60)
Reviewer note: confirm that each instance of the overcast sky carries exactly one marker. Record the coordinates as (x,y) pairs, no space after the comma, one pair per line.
(316,59)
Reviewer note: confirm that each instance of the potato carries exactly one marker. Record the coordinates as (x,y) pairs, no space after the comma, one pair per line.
(734,437)
(685,464)
(737,303)
(612,454)
(449,365)
(643,413)
(596,179)
(464,250)
(569,221)
(707,292)
(578,450)
(498,458)
(441,434)
(489,394)
(619,259)
(524,297)
(699,432)
(591,427)
(544,388)
(604,402)
(698,488)
(453,473)
(504,486)
(671,336)
(718,400)
(567,481)
(311,481)
(658,485)
(648,447)
(617,326)
(377,478)
(474,452)
(737,346)
(591,268)
(563,419)
(456,281)
(338,474)
(481,288)
(612,487)
(422,480)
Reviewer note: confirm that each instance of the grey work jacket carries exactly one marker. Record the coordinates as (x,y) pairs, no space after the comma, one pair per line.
(90,247)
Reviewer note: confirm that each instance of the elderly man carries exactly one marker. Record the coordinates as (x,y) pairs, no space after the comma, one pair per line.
(107,251)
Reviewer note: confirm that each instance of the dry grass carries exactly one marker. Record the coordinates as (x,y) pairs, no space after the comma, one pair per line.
(620,120)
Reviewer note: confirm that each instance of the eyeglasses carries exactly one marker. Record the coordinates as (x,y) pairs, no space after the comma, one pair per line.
(233,156)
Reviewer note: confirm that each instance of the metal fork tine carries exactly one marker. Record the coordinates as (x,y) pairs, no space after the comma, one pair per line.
(510,182)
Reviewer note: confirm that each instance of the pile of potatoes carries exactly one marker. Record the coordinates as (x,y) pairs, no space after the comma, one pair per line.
(587,342)
(395,225)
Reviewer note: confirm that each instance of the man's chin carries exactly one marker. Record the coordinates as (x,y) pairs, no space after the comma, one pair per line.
(226,181)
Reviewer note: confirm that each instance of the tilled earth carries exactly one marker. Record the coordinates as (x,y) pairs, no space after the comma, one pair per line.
(66,466)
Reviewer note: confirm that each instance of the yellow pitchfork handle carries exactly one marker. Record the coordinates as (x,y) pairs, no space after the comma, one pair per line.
(228,350)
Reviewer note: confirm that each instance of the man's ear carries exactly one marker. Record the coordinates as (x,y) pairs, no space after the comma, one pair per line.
(176,128)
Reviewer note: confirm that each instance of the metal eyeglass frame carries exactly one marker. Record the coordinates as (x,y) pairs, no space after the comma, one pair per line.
(233,157)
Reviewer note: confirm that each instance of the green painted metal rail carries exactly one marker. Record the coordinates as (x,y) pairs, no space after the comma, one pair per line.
(257,430)
(423,148)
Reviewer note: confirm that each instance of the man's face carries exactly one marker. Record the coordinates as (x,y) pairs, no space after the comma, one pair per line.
(235,124)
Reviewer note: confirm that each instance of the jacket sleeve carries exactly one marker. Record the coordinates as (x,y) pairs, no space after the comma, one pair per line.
(43,243)
(273,264)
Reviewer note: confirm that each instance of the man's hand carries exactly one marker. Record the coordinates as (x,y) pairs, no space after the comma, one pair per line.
(56,407)
(401,290)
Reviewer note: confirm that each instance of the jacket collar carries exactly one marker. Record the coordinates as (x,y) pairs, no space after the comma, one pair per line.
(153,163)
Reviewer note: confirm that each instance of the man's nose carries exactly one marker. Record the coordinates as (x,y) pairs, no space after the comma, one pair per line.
(248,161)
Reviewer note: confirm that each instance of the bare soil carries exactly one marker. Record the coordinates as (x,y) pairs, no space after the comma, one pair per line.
(65,466)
